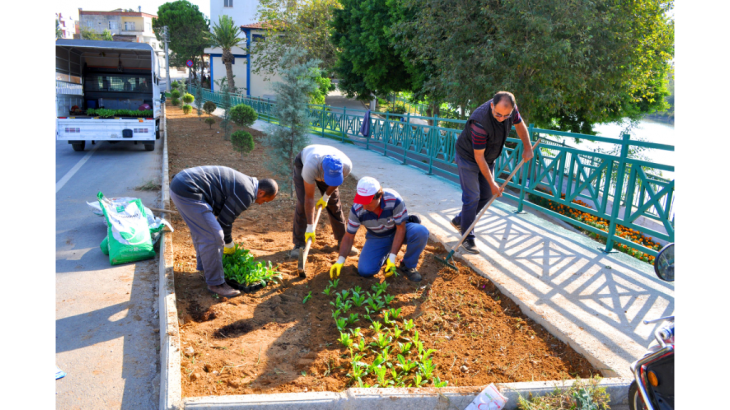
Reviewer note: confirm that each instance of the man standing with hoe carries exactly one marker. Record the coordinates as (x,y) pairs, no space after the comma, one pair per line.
(383,213)
(478,146)
(209,199)
(326,168)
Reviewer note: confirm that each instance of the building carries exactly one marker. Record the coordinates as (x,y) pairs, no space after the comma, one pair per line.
(243,13)
(67,25)
(125,25)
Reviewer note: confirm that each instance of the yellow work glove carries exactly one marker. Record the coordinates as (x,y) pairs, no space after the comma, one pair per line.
(229,248)
(309,234)
(390,265)
(336,268)
(323,201)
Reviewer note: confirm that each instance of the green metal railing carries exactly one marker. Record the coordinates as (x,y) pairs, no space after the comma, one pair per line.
(601,180)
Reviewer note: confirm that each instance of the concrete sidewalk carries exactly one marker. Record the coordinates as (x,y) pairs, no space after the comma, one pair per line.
(560,278)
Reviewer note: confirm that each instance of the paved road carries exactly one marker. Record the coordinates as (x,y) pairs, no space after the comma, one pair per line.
(106,316)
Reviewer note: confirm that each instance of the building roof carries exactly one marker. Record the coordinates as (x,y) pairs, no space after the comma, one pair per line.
(254,25)
(120,45)
(117,13)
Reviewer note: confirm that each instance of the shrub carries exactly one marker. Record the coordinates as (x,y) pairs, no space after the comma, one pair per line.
(243,115)
(209,107)
(583,394)
(188,98)
(210,121)
(186,109)
(175,94)
(175,85)
(242,142)
(175,102)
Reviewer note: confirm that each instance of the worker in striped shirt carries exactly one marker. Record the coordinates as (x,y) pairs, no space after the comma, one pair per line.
(383,213)
(209,199)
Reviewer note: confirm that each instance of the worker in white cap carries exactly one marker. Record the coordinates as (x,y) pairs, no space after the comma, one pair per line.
(383,213)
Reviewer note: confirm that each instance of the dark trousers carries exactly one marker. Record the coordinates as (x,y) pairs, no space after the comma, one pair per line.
(475,192)
(334,207)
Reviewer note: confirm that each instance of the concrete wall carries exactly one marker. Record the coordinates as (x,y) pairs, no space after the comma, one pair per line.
(218,69)
(99,23)
(242,12)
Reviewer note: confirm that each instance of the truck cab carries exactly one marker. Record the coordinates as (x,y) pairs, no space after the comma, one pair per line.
(107,91)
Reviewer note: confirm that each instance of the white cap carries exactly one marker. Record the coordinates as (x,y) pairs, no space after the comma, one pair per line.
(367,187)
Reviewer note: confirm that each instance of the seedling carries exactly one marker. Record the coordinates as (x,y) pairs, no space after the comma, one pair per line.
(373,304)
(405,347)
(404,364)
(376,326)
(357,289)
(356,332)
(438,383)
(345,294)
(341,324)
(327,291)
(425,354)
(352,319)
(361,345)
(333,283)
(385,354)
(418,381)
(337,302)
(385,318)
(415,337)
(380,287)
(381,340)
(380,373)
(394,313)
(408,325)
(396,332)
(345,340)
(336,314)
(427,368)
(388,299)
(358,299)
(306,298)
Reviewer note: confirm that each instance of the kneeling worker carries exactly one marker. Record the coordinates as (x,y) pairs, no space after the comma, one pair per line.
(209,199)
(384,215)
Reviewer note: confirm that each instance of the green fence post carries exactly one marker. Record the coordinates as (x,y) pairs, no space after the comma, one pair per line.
(268,110)
(406,138)
(525,173)
(432,144)
(322,124)
(387,128)
(344,123)
(617,193)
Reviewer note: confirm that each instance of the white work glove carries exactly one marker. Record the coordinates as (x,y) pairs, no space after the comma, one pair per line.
(229,248)
(309,233)
(390,265)
(323,201)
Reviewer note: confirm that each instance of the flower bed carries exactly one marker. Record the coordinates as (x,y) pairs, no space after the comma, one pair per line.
(599,223)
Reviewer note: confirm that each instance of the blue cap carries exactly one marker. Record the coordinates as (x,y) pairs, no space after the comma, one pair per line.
(332,167)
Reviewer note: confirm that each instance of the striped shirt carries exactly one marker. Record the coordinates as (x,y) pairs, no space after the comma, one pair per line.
(392,212)
(226,190)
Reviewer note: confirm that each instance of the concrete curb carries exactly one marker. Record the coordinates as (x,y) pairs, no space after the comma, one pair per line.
(398,399)
(170,384)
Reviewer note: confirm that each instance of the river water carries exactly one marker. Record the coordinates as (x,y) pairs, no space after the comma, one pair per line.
(646,130)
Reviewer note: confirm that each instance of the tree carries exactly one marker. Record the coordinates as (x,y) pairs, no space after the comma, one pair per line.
(289,23)
(324,86)
(107,35)
(292,110)
(209,107)
(242,142)
(226,35)
(89,34)
(59,31)
(226,105)
(186,26)
(570,63)
(243,115)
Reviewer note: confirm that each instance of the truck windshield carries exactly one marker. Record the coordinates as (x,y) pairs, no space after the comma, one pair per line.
(117,82)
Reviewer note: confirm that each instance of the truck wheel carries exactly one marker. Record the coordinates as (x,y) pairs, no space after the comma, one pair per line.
(79,146)
(157,134)
(635,400)
(149,147)
(159,131)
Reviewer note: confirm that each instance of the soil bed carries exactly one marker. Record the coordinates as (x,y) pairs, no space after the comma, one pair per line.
(270,342)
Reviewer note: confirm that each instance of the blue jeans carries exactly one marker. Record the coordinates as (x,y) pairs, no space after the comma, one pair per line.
(377,249)
(475,193)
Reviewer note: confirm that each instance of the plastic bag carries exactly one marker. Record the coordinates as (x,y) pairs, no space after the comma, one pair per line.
(156,224)
(489,399)
(128,231)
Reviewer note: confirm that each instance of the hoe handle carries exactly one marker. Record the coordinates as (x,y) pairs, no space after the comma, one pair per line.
(303,260)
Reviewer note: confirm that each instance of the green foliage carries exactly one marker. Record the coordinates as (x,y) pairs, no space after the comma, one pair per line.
(226,104)
(209,107)
(306,298)
(106,35)
(243,115)
(104,112)
(188,98)
(567,68)
(323,87)
(294,23)
(292,110)
(226,35)
(175,101)
(175,93)
(175,85)
(584,394)
(89,34)
(186,27)
(242,142)
(59,31)
(199,98)
(186,109)
(242,268)
(210,121)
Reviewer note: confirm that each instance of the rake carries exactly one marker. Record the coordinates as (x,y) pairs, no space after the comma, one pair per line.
(445,261)
(302,265)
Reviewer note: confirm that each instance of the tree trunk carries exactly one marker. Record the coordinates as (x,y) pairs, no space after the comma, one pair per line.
(433,110)
(227,57)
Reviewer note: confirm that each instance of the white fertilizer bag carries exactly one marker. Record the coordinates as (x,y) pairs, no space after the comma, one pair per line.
(128,231)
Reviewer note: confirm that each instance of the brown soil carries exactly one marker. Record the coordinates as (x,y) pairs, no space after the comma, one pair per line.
(270,342)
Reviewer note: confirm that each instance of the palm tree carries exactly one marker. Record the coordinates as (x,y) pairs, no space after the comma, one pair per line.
(225,35)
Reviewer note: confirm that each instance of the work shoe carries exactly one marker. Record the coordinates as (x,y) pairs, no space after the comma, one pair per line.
(294,253)
(410,274)
(456,223)
(224,290)
(353,250)
(470,246)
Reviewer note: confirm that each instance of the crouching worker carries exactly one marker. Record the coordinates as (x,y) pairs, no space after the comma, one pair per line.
(384,215)
(209,199)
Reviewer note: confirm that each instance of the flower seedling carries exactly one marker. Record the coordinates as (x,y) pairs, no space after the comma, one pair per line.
(405,347)
(408,325)
(414,339)
(425,354)
(327,291)
(418,380)
(333,283)
(341,324)
(380,287)
(380,373)
(345,340)
(376,326)
(438,383)
(394,313)
(337,302)
(357,289)
(345,294)
(388,299)
(356,332)
(404,364)
(427,368)
(396,378)
(396,332)
(306,298)
(385,318)
(382,340)
(358,299)
(361,345)
(372,303)
(352,319)
(357,372)
(336,314)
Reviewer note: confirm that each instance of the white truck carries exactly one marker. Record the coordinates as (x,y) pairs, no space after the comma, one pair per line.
(107,91)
